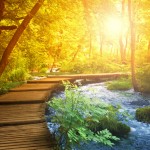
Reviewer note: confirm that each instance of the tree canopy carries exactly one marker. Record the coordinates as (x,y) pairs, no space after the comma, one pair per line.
(80,36)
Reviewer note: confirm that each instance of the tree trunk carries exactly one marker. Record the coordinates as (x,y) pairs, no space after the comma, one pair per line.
(17,35)
(132,29)
(89,25)
(101,44)
(121,33)
(126,44)
(90,46)
(74,56)
(121,48)
(148,52)
(57,55)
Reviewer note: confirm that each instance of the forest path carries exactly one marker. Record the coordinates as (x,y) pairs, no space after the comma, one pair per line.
(22,113)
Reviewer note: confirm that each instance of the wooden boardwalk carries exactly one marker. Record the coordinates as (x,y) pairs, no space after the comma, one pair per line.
(90,76)
(22,114)
(22,118)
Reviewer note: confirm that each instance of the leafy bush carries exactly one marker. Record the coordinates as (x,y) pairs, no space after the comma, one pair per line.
(43,70)
(74,67)
(114,126)
(5,86)
(93,65)
(3,90)
(19,74)
(74,114)
(144,78)
(143,114)
(120,84)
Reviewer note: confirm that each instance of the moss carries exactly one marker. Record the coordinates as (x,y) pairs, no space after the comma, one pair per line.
(120,84)
(114,126)
(143,114)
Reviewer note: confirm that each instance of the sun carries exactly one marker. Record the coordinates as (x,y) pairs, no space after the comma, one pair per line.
(113,25)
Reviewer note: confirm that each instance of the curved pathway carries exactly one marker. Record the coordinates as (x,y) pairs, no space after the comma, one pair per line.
(22,113)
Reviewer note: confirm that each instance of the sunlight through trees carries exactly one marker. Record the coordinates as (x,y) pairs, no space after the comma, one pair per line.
(81,36)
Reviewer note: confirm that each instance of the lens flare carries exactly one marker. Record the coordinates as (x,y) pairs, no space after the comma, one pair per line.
(113,26)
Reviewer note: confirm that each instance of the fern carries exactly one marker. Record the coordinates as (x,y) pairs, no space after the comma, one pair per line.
(74,114)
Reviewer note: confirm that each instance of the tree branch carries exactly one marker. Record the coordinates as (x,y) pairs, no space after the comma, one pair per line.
(17,35)
(8,27)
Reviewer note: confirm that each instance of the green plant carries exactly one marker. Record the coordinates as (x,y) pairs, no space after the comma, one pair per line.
(143,114)
(43,70)
(120,84)
(93,65)
(75,113)
(19,74)
(5,86)
(143,78)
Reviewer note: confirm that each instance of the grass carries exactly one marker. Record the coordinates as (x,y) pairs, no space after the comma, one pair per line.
(120,84)
(6,86)
(143,114)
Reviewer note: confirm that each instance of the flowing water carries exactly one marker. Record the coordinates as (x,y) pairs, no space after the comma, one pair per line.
(139,137)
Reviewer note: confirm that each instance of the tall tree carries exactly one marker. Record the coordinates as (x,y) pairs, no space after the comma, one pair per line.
(88,19)
(16,36)
(121,33)
(132,33)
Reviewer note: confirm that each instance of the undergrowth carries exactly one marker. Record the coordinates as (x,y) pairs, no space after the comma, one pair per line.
(143,114)
(119,84)
(75,113)
(143,76)
(6,86)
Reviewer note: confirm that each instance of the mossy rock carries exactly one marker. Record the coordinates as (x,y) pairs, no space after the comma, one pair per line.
(114,126)
(143,114)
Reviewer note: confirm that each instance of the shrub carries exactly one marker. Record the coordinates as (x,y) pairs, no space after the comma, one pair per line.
(120,84)
(144,78)
(3,90)
(5,86)
(93,65)
(143,114)
(114,126)
(43,70)
(74,114)
(18,75)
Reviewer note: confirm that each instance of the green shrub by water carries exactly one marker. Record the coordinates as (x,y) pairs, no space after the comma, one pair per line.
(144,78)
(143,114)
(75,113)
(120,84)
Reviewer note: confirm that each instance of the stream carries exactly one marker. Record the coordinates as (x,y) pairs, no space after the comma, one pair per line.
(139,137)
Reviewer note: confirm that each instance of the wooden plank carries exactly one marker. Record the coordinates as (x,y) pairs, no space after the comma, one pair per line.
(25,97)
(32,136)
(34,87)
(21,113)
(89,76)
(49,80)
